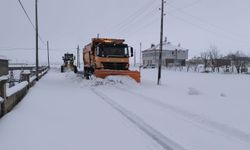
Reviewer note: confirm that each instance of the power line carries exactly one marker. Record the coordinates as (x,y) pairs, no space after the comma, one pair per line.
(144,26)
(153,21)
(127,21)
(226,33)
(26,14)
(206,29)
(184,7)
(139,21)
(48,54)
(137,13)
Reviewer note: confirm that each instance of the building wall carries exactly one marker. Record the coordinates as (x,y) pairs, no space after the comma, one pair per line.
(4,70)
(152,56)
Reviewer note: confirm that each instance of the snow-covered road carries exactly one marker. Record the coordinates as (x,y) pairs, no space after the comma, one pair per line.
(189,111)
(190,130)
(58,114)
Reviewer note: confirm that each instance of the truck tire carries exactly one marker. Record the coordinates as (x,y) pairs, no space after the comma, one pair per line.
(75,69)
(86,73)
(62,69)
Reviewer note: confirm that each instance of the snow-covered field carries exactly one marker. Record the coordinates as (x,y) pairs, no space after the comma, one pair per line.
(190,111)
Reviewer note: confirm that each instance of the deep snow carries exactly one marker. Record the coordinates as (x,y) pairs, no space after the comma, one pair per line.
(193,110)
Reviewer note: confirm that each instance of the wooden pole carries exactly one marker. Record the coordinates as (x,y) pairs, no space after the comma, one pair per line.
(161,38)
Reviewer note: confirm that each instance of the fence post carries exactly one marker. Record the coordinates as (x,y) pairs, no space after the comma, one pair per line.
(3,95)
(25,76)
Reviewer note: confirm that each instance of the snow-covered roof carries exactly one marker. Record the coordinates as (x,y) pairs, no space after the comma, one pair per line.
(167,46)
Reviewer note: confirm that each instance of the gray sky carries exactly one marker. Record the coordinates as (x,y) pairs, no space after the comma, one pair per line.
(196,24)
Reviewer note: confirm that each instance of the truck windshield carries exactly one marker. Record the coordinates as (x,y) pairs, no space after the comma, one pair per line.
(114,51)
(68,57)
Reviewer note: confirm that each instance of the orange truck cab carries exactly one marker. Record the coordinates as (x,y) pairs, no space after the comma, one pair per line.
(103,57)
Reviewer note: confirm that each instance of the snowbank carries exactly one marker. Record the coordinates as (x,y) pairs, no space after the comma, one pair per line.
(32,78)
(115,80)
(16,88)
(5,77)
(108,81)
(26,72)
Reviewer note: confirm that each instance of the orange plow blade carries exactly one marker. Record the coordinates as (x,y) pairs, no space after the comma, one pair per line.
(133,74)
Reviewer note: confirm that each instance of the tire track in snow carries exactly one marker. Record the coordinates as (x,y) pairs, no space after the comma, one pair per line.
(162,140)
(223,128)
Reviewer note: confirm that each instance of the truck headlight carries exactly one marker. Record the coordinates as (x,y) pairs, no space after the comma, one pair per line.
(127,66)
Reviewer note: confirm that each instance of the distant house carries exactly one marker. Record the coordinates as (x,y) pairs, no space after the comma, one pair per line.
(4,70)
(171,55)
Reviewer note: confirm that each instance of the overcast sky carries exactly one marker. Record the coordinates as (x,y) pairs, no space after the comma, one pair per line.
(196,24)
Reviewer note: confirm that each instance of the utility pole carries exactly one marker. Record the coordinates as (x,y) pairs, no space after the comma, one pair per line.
(176,57)
(78,56)
(37,65)
(48,54)
(134,58)
(161,37)
(140,53)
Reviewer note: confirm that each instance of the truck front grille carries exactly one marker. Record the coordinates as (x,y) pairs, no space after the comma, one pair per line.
(115,66)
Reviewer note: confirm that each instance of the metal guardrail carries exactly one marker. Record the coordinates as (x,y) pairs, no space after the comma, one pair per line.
(25,67)
(22,68)
(12,100)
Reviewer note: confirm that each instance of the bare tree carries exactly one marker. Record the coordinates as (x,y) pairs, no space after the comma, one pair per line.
(213,54)
(204,57)
(240,61)
(194,63)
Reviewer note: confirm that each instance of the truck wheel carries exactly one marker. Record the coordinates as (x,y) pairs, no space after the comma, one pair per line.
(62,69)
(86,74)
(75,69)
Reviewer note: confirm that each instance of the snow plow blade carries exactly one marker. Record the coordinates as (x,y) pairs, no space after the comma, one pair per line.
(133,74)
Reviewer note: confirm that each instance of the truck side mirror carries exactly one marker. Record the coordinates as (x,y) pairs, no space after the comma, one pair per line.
(131,51)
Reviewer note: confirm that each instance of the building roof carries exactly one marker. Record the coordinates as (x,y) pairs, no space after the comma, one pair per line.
(166,46)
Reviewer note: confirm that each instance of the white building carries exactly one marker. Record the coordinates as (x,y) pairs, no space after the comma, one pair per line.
(171,55)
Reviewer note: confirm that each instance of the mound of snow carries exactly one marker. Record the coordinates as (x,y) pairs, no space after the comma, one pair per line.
(222,94)
(193,91)
(94,81)
(115,80)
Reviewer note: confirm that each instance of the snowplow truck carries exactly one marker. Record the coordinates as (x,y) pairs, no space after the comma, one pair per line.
(68,63)
(105,57)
